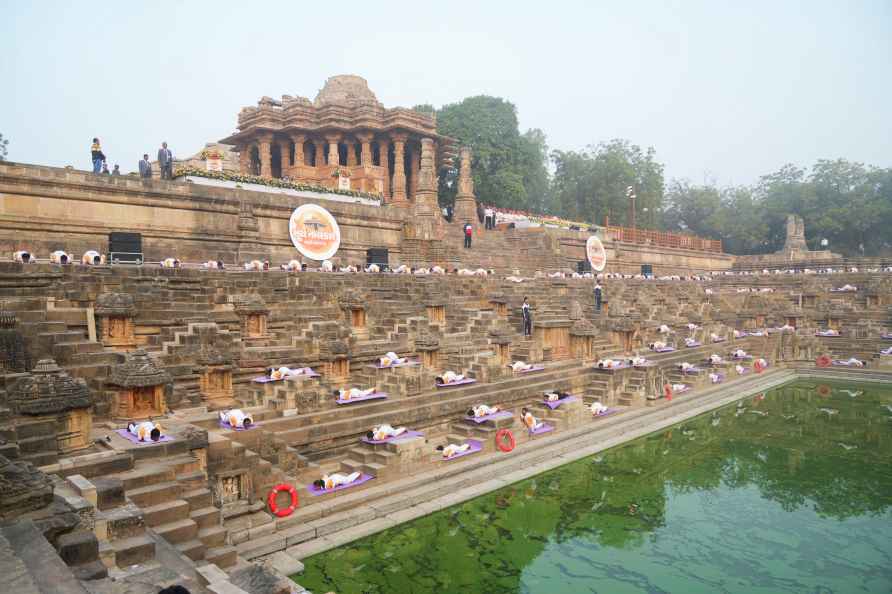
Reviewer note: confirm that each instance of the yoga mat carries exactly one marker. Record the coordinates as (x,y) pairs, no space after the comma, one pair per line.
(372,396)
(715,340)
(681,391)
(532,369)
(467,380)
(886,336)
(667,349)
(692,370)
(315,491)
(622,365)
(827,335)
(502,414)
(744,358)
(134,439)
(720,379)
(231,428)
(405,435)
(545,428)
(745,371)
(408,363)
(693,345)
(840,363)
(476,446)
(557,403)
(609,412)
(645,364)
(757,333)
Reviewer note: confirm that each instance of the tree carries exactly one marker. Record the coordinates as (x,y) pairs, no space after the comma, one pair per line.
(509,169)
(3,144)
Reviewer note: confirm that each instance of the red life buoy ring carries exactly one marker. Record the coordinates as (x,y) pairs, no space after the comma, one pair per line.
(824,390)
(501,436)
(667,391)
(824,361)
(271,500)
(757,366)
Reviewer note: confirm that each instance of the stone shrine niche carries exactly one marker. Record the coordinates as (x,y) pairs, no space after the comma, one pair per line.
(140,388)
(499,304)
(48,398)
(582,339)
(231,487)
(14,357)
(436,314)
(429,346)
(353,303)
(216,384)
(501,342)
(254,315)
(554,337)
(114,320)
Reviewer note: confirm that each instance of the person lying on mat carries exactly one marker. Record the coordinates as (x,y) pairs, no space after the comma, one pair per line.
(714,337)
(739,353)
(382,432)
(145,431)
(828,332)
(452,450)
(22,256)
(92,258)
(886,351)
(853,362)
(422,271)
(482,410)
(664,329)
(327,266)
(690,342)
(170,263)
(848,287)
(609,363)
(330,481)
(353,393)
(679,387)
(278,373)
(657,345)
(740,369)
(437,270)
(637,361)
(292,266)
(402,269)
(555,396)
(60,257)
(598,409)
(692,326)
(787,328)
(349,268)
(715,378)
(757,333)
(715,359)
(521,366)
(531,422)
(236,418)
(685,366)
(373,268)
(449,377)
(391,358)
(739,333)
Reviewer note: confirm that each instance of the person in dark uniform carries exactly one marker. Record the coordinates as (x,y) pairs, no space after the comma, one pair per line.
(527,313)
(599,293)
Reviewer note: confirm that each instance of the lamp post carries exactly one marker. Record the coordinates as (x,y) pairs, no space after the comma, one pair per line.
(630,194)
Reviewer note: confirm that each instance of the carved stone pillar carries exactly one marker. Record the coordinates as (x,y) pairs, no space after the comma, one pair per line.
(351,152)
(365,158)
(399,171)
(465,201)
(298,140)
(384,160)
(320,153)
(414,168)
(333,155)
(266,158)
(244,158)
(284,154)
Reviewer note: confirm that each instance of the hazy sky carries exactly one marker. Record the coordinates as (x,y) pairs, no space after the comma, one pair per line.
(722,90)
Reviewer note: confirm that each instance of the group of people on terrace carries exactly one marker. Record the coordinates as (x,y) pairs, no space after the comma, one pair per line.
(100,162)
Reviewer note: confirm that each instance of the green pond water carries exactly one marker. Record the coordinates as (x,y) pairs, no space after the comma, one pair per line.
(790,492)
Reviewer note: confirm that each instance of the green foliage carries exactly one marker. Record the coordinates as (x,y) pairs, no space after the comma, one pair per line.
(3,144)
(591,184)
(509,168)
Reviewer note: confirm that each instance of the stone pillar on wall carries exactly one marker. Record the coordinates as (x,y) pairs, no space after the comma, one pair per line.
(465,201)
(414,168)
(426,222)
(384,160)
(351,152)
(284,160)
(320,153)
(298,140)
(399,171)
(365,156)
(266,158)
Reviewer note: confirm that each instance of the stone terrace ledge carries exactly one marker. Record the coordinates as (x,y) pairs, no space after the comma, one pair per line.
(350,517)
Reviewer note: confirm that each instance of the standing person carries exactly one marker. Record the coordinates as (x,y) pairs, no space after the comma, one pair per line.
(527,313)
(165,161)
(116,170)
(599,293)
(105,170)
(469,230)
(97,156)
(488,217)
(145,168)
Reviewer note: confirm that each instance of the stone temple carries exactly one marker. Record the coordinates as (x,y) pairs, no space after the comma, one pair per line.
(86,506)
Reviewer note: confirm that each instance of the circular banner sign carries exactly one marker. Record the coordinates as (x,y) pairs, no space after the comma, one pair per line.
(314,232)
(597,255)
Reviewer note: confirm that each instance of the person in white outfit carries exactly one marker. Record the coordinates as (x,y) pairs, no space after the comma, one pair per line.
(330,481)
(453,450)
(236,418)
(382,432)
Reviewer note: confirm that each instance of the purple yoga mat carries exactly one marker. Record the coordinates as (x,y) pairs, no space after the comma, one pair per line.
(744,358)
(315,491)
(828,335)
(622,365)
(693,370)
(887,351)
(609,412)
(840,363)
(532,369)
(721,378)
(372,396)
(502,414)
(408,363)
(405,435)
(545,428)
(134,439)
(718,340)
(645,364)
(476,446)
(693,345)
(463,382)
(557,403)
(886,336)
(667,349)
(231,428)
